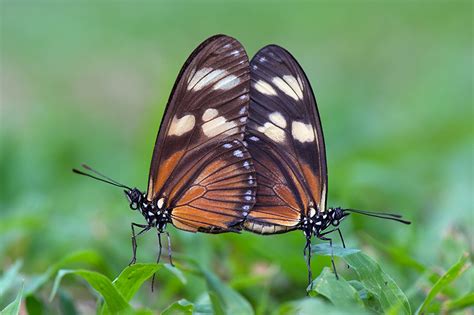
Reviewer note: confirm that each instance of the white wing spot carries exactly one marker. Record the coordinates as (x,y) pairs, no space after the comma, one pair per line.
(227,145)
(302,132)
(295,85)
(235,53)
(204,78)
(227,83)
(243,119)
(253,138)
(312,212)
(246,164)
(179,126)
(209,114)
(262,59)
(272,132)
(264,88)
(217,126)
(277,119)
(289,86)
(238,153)
(160,203)
(195,77)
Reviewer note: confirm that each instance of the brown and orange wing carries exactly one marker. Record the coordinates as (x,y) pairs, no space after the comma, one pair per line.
(208,105)
(285,139)
(220,194)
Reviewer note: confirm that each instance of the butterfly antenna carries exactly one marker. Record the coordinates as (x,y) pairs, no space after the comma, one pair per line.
(101,177)
(381,215)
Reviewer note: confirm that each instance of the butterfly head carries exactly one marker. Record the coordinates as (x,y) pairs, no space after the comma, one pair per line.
(336,215)
(135,197)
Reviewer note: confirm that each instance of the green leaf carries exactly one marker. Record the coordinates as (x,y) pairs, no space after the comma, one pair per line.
(452,274)
(34,306)
(132,278)
(14,307)
(310,306)
(112,297)
(338,291)
(371,275)
(459,304)
(66,303)
(9,277)
(177,272)
(181,307)
(224,298)
(85,256)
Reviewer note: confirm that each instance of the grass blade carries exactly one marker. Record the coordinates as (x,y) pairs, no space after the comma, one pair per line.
(452,274)
(181,307)
(112,297)
(229,301)
(14,307)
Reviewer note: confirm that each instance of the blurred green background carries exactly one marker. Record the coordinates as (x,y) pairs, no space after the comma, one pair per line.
(88,81)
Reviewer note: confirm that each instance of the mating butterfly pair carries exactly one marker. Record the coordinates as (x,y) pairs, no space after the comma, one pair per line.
(240,147)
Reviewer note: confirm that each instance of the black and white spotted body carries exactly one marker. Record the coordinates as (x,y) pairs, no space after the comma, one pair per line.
(317,223)
(154,212)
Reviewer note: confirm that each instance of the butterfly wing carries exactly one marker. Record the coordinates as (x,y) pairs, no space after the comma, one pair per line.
(222,193)
(208,106)
(286,142)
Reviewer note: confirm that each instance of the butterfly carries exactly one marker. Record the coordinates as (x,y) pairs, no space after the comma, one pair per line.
(201,175)
(286,142)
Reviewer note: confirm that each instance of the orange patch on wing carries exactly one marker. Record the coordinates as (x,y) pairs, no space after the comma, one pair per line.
(191,194)
(201,218)
(287,195)
(275,215)
(313,183)
(164,171)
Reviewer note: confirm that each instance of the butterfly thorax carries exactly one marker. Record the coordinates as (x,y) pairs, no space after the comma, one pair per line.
(155,212)
(315,223)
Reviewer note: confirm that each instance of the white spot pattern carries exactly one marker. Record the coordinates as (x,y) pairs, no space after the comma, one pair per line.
(278,119)
(302,132)
(217,126)
(209,114)
(160,203)
(227,83)
(205,77)
(238,153)
(289,85)
(264,88)
(272,132)
(180,126)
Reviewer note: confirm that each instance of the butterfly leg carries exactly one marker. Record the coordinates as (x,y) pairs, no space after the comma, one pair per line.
(169,248)
(134,239)
(307,257)
(321,237)
(157,260)
(340,235)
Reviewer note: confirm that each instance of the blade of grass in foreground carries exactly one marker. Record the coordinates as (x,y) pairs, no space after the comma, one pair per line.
(14,307)
(452,274)
(371,275)
(223,298)
(113,299)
